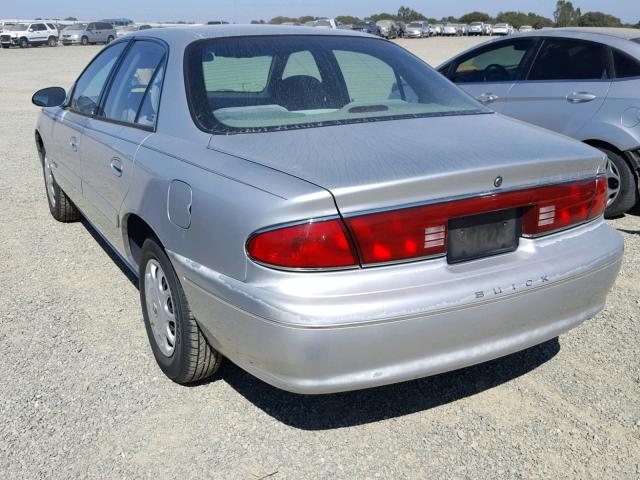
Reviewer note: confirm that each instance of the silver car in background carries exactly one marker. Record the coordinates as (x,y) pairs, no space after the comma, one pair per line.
(580,82)
(89,33)
(322,207)
(417,30)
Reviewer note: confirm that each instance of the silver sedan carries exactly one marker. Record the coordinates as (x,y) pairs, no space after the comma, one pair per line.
(323,208)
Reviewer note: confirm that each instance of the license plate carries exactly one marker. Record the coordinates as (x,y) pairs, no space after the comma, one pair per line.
(480,236)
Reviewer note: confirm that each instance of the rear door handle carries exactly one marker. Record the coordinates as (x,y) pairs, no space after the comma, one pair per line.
(488,98)
(580,97)
(73,143)
(116,166)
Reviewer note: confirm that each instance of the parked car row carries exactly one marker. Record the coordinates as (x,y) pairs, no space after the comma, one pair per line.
(27,34)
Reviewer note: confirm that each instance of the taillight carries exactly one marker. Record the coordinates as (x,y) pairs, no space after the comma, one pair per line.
(420,232)
(322,244)
(561,206)
(416,232)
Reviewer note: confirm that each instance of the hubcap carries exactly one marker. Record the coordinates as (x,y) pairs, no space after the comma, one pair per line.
(160,307)
(613,182)
(49,182)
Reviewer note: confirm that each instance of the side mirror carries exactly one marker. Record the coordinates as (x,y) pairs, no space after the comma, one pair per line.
(49,97)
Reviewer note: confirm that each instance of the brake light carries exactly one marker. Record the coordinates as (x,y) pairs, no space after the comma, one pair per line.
(419,232)
(321,244)
(416,232)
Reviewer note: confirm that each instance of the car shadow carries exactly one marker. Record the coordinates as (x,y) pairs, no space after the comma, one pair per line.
(324,412)
(109,251)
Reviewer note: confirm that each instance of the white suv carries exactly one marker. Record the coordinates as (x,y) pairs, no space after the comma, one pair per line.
(26,34)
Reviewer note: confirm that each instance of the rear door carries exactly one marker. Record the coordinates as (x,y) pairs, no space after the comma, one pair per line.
(111,139)
(565,87)
(488,73)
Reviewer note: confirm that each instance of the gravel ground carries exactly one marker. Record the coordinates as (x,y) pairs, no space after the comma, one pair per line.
(81,395)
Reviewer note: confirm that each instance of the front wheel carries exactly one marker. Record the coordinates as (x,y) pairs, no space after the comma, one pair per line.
(84,41)
(623,188)
(179,347)
(109,39)
(24,43)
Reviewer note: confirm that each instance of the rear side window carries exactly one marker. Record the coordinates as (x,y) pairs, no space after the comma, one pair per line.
(499,63)
(236,74)
(568,59)
(356,67)
(88,88)
(51,26)
(626,66)
(132,81)
(301,63)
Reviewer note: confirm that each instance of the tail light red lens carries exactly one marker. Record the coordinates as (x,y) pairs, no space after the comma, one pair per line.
(419,232)
(321,244)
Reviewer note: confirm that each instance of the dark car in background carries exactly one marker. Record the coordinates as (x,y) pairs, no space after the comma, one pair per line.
(367,26)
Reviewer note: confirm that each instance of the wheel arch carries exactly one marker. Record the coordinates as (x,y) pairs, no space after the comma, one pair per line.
(39,145)
(601,143)
(136,230)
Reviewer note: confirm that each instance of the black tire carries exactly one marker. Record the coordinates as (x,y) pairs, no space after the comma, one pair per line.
(109,39)
(24,43)
(60,206)
(84,41)
(627,195)
(192,358)
(52,42)
(6,46)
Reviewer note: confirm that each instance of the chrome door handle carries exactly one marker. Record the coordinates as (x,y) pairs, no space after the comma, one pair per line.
(488,98)
(73,143)
(580,97)
(116,166)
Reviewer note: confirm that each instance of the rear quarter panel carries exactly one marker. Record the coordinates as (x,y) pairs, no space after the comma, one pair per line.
(231,198)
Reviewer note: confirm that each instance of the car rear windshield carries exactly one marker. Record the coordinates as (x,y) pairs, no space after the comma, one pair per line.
(249,84)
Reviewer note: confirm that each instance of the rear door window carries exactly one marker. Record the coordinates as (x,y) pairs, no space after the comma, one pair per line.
(89,87)
(131,82)
(625,65)
(498,63)
(569,59)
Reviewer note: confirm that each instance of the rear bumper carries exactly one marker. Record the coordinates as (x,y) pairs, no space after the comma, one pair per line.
(368,328)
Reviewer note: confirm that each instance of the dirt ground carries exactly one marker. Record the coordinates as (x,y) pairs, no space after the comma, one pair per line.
(81,395)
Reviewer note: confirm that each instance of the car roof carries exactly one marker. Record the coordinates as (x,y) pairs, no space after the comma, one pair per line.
(187,34)
(623,33)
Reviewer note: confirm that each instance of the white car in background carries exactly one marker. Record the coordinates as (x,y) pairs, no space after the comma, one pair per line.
(24,35)
(502,29)
(417,30)
(450,29)
(525,28)
(476,28)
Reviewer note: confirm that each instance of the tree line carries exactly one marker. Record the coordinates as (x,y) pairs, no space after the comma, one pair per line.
(565,15)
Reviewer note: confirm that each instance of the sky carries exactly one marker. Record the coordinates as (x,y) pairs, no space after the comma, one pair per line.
(243,11)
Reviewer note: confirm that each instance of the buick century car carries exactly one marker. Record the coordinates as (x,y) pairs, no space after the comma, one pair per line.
(323,208)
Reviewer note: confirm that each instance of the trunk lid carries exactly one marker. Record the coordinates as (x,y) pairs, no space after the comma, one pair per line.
(392,163)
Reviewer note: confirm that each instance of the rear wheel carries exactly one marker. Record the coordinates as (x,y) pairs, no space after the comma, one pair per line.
(60,206)
(180,348)
(52,42)
(623,189)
